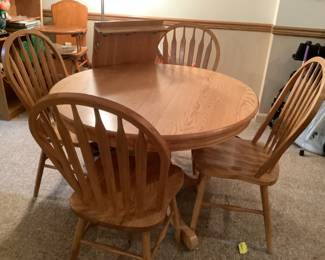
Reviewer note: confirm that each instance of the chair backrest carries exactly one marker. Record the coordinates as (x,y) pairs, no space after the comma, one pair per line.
(107,179)
(69,13)
(303,95)
(32,65)
(190,45)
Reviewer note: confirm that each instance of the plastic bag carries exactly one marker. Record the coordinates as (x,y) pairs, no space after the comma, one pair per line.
(313,137)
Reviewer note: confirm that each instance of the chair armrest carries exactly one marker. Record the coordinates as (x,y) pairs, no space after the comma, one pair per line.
(74,31)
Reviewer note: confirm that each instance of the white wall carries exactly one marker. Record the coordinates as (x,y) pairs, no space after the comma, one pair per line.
(293,13)
(240,56)
(244,55)
(301,13)
(280,66)
(255,11)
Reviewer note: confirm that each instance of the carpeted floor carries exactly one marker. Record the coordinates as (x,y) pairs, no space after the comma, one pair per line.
(43,229)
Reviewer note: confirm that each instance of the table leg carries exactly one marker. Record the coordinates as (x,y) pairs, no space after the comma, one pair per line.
(183,231)
(188,236)
(190,182)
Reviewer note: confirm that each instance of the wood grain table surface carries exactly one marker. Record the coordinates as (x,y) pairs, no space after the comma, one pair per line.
(190,107)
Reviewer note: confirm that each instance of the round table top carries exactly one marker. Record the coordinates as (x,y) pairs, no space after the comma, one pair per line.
(190,107)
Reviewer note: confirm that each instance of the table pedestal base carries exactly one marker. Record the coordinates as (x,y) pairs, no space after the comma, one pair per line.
(189,237)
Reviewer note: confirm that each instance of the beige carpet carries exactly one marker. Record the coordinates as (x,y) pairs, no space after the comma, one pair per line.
(43,229)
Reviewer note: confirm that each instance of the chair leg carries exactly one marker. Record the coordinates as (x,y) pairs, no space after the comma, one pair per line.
(40,170)
(176,220)
(267,217)
(194,172)
(76,64)
(77,238)
(88,62)
(146,246)
(199,200)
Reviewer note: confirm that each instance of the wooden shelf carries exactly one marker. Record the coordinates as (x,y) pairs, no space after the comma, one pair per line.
(131,26)
(128,30)
(14,108)
(10,105)
(132,41)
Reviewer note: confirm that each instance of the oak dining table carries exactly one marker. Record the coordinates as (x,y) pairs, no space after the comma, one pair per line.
(190,107)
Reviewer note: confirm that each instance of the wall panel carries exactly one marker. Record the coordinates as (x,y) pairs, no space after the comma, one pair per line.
(256,11)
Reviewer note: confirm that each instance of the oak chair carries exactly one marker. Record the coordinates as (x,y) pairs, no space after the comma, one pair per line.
(32,66)
(255,162)
(67,14)
(190,45)
(130,187)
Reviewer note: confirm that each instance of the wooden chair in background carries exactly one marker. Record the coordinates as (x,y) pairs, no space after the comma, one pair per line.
(256,163)
(32,66)
(69,14)
(190,45)
(127,187)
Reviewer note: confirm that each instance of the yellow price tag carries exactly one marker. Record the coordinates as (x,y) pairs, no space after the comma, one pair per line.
(243,248)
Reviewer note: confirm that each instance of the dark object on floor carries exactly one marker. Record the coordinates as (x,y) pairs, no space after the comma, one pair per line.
(309,50)
(304,52)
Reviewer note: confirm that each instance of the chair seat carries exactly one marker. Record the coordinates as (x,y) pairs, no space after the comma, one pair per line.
(235,159)
(73,137)
(148,216)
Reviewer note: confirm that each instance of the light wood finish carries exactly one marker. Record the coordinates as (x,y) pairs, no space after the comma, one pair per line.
(32,65)
(190,107)
(199,200)
(176,220)
(120,42)
(76,32)
(201,49)
(134,26)
(298,31)
(27,8)
(73,30)
(81,225)
(267,216)
(10,105)
(127,187)
(146,246)
(254,162)
(69,14)
(223,25)
(39,174)
(220,25)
